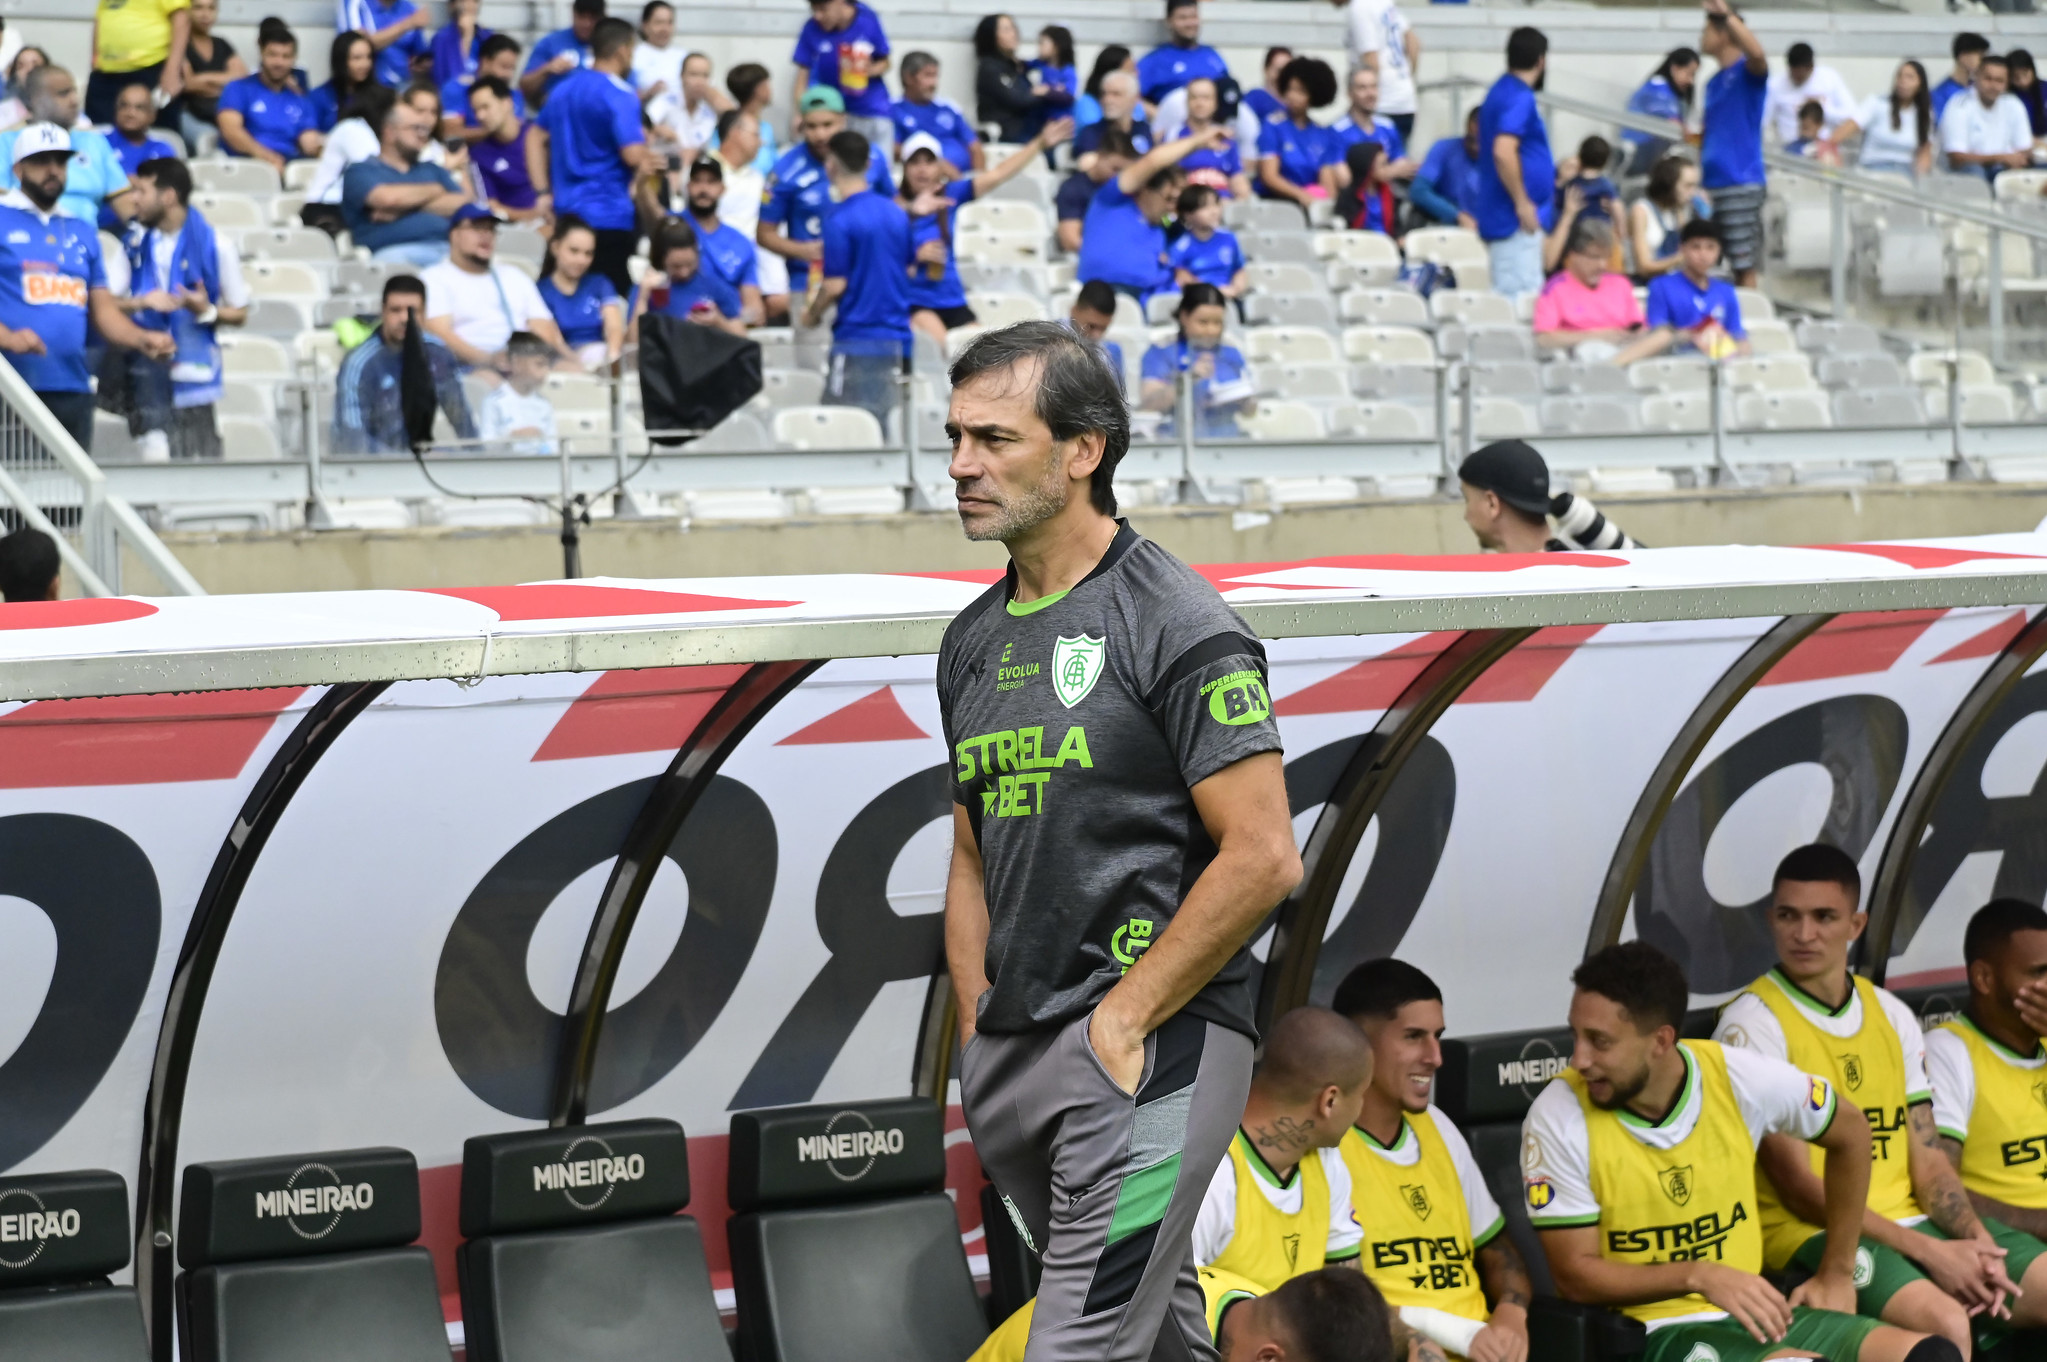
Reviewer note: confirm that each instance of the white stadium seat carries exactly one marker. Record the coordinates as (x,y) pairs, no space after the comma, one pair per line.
(254,357)
(1290,344)
(1769,337)
(1379,420)
(1783,411)
(1384,307)
(1305,382)
(826,428)
(1472,307)
(1502,418)
(1388,345)
(1001,217)
(1372,254)
(1002,309)
(1677,412)
(1931,368)
(235,176)
(1670,375)
(1792,370)
(284,279)
(1284,276)
(231,210)
(1277,419)
(288,243)
(1876,407)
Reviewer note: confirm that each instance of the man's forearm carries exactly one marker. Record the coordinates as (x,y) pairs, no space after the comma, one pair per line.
(2021,1218)
(1503,1274)
(1935,1184)
(966,929)
(1846,1178)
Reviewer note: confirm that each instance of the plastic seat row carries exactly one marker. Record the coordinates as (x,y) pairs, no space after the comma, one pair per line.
(843,1244)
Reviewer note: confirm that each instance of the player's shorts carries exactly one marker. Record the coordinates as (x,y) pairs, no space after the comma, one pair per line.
(1832,1335)
(1880,1272)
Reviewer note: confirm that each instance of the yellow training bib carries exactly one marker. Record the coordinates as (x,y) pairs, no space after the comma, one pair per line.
(1267,1246)
(1418,1247)
(1696,1200)
(2005,1154)
(1867,1068)
(1219,1291)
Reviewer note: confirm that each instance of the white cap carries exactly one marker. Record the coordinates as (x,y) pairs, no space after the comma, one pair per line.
(920,141)
(38,138)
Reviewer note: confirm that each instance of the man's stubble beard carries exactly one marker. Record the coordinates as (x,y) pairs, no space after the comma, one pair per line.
(1030,509)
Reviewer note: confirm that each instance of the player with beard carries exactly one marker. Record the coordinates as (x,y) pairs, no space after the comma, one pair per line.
(1639,1164)
(1433,1238)
(1120,829)
(728,252)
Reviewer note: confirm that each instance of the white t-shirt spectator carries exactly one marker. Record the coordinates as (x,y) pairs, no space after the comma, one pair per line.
(1379,26)
(1782,102)
(487,308)
(1967,126)
(353,140)
(1883,146)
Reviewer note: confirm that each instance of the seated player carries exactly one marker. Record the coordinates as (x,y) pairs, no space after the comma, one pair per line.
(1279,1205)
(1333,1315)
(1988,1109)
(1929,1261)
(1432,1229)
(1638,1163)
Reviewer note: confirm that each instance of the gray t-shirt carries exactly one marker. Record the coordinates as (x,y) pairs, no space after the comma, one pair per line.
(1077,725)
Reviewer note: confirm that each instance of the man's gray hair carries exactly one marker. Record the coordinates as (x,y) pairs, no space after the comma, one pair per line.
(1121,76)
(34,86)
(1076,393)
(1590,234)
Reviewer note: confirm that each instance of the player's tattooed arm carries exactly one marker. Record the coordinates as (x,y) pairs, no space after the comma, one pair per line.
(2020,1218)
(1504,1274)
(1934,1179)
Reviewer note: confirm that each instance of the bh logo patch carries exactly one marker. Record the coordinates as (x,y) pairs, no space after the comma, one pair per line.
(1817,1094)
(1076,666)
(1677,1183)
(1540,1193)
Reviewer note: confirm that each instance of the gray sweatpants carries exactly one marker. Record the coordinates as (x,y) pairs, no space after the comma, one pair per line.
(1104,1186)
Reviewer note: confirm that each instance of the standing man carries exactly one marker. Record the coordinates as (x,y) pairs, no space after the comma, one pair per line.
(1123,237)
(588,144)
(843,49)
(1932,1263)
(1731,146)
(1381,41)
(727,252)
(136,41)
(562,51)
(1639,1169)
(1184,57)
(738,156)
(94,182)
(1280,1204)
(866,254)
(1432,1228)
(1987,130)
(265,115)
(1120,828)
(52,278)
(797,198)
(397,29)
(922,109)
(184,280)
(134,114)
(1986,1067)
(1968,49)
(1517,177)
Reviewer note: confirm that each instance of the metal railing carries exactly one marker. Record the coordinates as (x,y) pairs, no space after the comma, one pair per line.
(54,486)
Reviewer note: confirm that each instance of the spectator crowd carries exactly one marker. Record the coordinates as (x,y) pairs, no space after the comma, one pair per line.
(608,134)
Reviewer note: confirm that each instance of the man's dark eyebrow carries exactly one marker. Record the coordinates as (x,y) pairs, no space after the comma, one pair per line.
(984,429)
